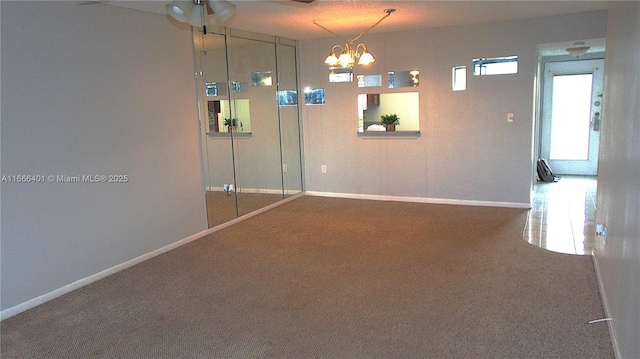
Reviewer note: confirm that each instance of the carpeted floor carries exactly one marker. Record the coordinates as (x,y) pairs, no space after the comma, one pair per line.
(335,278)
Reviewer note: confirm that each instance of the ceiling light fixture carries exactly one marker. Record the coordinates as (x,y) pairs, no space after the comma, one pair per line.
(349,53)
(578,49)
(196,12)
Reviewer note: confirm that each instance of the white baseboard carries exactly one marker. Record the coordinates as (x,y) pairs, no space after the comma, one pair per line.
(605,304)
(256,190)
(9,312)
(420,199)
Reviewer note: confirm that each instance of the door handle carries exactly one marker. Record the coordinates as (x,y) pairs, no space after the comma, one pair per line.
(595,122)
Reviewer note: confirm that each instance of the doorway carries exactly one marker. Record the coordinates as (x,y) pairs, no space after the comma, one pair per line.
(571,116)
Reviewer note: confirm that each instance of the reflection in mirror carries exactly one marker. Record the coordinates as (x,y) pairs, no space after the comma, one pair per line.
(222,120)
(239,87)
(314,96)
(213,89)
(290,131)
(244,172)
(287,98)
(341,75)
(372,107)
(257,159)
(404,78)
(261,78)
(217,152)
(369,80)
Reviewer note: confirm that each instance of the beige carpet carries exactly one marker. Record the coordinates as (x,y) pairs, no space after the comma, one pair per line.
(334,278)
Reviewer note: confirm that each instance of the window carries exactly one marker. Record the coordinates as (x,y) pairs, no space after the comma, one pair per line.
(459,78)
(495,66)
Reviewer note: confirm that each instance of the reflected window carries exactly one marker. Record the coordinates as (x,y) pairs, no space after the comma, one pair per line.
(341,75)
(314,96)
(287,98)
(261,78)
(215,89)
(404,78)
(225,116)
(369,80)
(239,87)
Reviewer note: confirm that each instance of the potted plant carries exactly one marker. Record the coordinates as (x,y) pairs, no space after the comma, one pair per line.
(390,121)
(231,123)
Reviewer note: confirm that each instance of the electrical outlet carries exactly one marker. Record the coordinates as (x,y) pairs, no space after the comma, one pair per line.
(284,167)
(323,168)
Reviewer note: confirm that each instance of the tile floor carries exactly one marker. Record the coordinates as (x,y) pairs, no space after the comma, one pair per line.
(562,218)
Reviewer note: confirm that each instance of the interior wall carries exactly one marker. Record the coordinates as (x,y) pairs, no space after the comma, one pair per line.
(618,203)
(94,90)
(467,151)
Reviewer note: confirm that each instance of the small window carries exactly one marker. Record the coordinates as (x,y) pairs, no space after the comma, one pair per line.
(495,66)
(459,78)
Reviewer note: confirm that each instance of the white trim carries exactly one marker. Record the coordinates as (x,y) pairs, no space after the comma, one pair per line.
(420,199)
(255,190)
(9,312)
(605,304)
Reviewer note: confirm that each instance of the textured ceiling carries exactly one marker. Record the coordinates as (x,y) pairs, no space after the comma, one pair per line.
(294,20)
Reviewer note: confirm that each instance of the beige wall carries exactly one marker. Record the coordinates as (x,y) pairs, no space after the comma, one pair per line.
(467,151)
(618,258)
(93,90)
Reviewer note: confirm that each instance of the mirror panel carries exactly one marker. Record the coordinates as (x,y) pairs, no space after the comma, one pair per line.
(257,158)
(216,151)
(248,108)
(404,78)
(289,110)
(371,107)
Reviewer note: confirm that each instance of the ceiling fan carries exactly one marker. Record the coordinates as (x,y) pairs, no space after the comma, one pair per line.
(195,12)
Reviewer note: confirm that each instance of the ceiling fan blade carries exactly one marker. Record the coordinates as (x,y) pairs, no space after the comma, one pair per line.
(90,2)
(304,1)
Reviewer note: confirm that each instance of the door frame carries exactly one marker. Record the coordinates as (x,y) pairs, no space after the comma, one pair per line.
(537,125)
(595,67)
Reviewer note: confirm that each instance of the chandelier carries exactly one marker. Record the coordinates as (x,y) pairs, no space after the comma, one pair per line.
(348,54)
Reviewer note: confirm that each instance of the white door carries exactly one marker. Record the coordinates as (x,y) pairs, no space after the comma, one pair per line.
(572,115)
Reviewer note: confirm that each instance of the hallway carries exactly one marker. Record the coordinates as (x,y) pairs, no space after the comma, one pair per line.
(562,218)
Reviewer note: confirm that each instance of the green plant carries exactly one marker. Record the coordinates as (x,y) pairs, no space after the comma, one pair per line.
(391,119)
(231,122)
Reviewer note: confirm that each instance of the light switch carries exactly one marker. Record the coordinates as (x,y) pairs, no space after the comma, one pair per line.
(510,117)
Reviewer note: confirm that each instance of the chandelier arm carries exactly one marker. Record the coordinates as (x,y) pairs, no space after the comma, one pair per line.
(336,35)
(388,11)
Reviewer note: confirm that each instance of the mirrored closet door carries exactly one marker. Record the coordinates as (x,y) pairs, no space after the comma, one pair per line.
(250,137)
